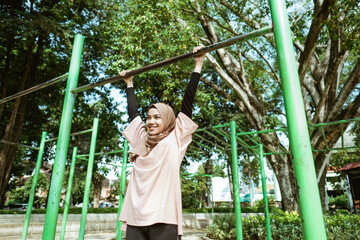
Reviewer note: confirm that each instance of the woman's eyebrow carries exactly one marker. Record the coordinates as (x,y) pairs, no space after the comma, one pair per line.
(155,115)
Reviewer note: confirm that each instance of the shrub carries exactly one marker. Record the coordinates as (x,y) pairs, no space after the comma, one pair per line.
(284,225)
(255,209)
(339,202)
(73,210)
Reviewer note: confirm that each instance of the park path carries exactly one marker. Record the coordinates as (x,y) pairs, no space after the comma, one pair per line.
(189,234)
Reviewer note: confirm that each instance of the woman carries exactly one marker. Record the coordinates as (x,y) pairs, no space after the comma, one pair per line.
(152,207)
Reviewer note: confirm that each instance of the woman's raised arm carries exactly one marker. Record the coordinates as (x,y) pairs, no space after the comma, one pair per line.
(188,100)
(131,98)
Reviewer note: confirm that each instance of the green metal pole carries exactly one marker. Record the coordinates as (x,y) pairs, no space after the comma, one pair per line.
(68,193)
(33,186)
(263,183)
(212,201)
(234,155)
(88,178)
(303,163)
(122,190)
(57,178)
(195,184)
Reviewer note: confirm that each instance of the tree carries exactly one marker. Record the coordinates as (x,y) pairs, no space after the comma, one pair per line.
(22,194)
(36,39)
(326,42)
(250,169)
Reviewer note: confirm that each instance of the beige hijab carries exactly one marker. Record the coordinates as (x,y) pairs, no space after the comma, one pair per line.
(148,142)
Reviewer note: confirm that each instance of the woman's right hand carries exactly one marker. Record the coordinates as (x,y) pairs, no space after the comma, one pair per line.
(127,80)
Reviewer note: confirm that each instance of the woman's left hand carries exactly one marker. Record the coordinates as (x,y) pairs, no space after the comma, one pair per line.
(200,58)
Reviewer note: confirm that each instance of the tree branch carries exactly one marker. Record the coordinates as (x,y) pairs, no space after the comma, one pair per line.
(350,84)
(267,63)
(319,17)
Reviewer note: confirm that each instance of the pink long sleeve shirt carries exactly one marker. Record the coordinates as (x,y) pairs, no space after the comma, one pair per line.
(153,194)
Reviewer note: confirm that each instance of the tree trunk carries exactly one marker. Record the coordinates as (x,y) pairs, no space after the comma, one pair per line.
(208,170)
(287,183)
(97,181)
(97,192)
(5,75)
(14,128)
(250,185)
(8,151)
(230,176)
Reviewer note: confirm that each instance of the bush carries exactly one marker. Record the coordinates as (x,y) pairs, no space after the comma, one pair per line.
(255,209)
(284,225)
(339,202)
(342,225)
(209,210)
(73,210)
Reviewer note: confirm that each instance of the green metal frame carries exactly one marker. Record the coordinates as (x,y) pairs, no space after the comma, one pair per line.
(68,194)
(33,186)
(303,162)
(35,179)
(251,143)
(263,183)
(122,190)
(88,178)
(311,212)
(236,180)
(52,210)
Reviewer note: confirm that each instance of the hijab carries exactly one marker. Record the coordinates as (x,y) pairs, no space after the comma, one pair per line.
(148,142)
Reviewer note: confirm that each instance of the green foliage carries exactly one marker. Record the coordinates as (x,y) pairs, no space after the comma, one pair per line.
(255,209)
(218,170)
(209,210)
(193,188)
(73,210)
(250,169)
(36,42)
(343,226)
(284,225)
(78,190)
(21,195)
(339,202)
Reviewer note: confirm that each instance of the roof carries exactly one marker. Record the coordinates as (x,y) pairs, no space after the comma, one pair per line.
(350,166)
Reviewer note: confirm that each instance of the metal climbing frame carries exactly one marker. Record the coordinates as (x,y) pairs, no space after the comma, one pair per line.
(224,140)
(65,125)
(311,212)
(228,138)
(37,172)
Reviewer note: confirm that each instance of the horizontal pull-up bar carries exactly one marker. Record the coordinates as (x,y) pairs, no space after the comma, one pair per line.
(102,153)
(35,88)
(71,135)
(19,145)
(172,60)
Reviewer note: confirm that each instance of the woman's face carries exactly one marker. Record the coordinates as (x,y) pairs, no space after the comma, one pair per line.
(154,122)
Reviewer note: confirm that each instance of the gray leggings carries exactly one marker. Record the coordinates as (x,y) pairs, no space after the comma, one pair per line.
(158,231)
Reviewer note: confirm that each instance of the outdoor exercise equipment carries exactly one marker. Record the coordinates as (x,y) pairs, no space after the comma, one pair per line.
(303,163)
(310,205)
(122,190)
(37,172)
(68,193)
(182,57)
(263,184)
(250,142)
(88,178)
(35,88)
(54,195)
(33,186)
